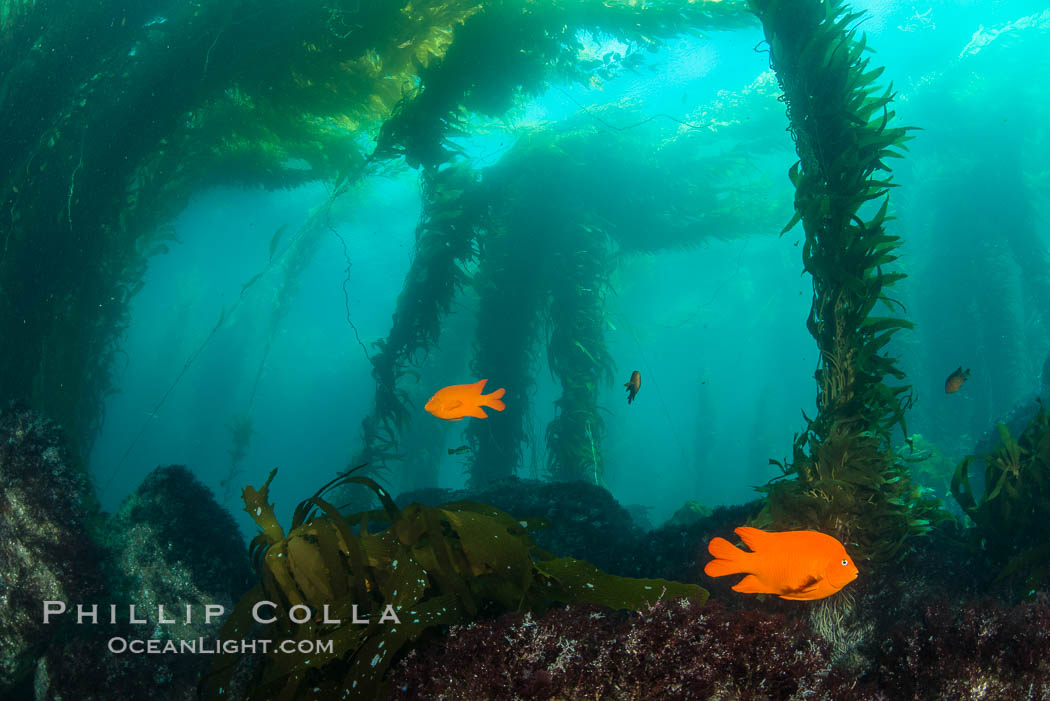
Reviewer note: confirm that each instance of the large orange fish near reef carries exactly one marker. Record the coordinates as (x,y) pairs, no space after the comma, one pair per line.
(455,402)
(798,565)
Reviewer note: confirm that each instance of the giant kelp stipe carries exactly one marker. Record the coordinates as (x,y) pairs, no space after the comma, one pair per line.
(849,481)
(253,238)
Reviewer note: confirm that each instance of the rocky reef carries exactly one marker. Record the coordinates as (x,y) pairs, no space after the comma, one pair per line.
(163,557)
(46,514)
(170,543)
(586,522)
(673,651)
(937,623)
(933,625)
(982,650)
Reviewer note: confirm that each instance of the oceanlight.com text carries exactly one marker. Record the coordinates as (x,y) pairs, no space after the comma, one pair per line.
(204,646)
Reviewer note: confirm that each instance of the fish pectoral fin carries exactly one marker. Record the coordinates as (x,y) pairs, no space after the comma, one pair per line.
(454,404)
(751,585)
(806,587)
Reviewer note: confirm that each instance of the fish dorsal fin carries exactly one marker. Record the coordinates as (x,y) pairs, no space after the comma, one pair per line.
(479,385)
(752,537)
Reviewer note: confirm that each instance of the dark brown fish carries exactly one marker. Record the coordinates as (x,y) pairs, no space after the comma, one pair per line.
(461,450)
(955,380)
(633,385)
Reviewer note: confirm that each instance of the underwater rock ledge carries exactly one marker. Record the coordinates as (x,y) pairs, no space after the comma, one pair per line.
(586,521)
(169,543)
(981,650)
(675,650)
(936,624)
(173,544)
(46,511)
(589,524)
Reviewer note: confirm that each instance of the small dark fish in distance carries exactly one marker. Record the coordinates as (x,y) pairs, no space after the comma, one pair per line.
(461,450)
(633,385)
(955,380)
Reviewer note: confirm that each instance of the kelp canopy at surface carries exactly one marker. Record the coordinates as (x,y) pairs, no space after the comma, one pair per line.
(847,479)
(146,104)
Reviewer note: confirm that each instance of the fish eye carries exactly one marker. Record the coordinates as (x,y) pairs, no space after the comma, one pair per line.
(845,563)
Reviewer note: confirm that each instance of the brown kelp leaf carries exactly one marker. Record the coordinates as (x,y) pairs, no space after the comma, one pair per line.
(490,547)
(308,569)
(257,504)
(581,582)
(374,657)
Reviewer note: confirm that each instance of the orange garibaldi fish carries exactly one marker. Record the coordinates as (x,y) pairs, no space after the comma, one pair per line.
(955,380)
(633,385)
(799,565)
(457,401)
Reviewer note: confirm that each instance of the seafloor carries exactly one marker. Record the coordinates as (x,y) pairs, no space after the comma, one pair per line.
(934,625)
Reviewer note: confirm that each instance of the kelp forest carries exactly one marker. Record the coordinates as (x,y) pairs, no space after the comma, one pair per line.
(538,230)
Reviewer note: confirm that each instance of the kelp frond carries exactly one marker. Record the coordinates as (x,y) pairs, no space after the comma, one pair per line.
(1012,515)
(423,566)
(847,480)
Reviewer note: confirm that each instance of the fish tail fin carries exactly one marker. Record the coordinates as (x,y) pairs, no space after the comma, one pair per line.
(493,400)
(728,558)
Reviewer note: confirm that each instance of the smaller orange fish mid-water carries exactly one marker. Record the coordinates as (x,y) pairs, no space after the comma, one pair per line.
(455,402)
(955,380)
(798,565)
(633,385)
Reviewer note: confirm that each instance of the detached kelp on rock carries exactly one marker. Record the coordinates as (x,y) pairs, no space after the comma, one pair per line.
(428,566)
(848,481)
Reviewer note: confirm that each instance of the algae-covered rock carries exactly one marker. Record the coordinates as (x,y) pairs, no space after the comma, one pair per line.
(673,650)
(83,669)
(174,545)
(932,625)
(586,522)
(169,544)
(46,507)
(690,513)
